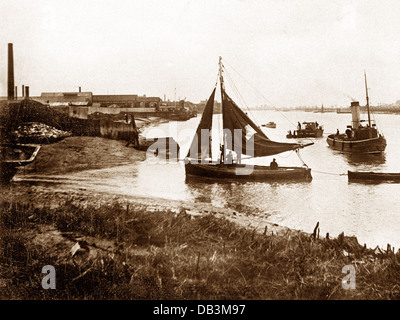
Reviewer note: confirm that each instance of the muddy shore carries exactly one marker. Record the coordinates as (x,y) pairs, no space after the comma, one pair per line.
(77,154)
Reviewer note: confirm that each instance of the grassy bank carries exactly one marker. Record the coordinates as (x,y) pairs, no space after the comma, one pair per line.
(131,252)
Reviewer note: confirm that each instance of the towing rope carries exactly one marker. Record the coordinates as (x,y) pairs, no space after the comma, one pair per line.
(324,172)
(333,174)
(301,159)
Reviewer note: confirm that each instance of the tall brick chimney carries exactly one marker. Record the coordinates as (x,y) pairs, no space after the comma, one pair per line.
(26,92)
(10,81)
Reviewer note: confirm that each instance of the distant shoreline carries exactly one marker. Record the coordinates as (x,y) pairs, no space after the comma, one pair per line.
(336,110)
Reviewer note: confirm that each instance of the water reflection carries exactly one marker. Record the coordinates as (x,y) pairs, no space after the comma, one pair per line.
(365,159)
(247,197)
(196,180)
(373,182)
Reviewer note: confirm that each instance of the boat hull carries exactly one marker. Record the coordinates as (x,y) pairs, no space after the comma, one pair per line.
(373,176)
(164,147)
(306,134)
(247,173)
(14,156)
(373,145)
(7,172)
(270,125)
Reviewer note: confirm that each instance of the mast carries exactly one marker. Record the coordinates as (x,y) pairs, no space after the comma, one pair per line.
(221,81)
(366,92)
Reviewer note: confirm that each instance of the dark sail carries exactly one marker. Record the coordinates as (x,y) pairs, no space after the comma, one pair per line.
(200,149)
(249,137)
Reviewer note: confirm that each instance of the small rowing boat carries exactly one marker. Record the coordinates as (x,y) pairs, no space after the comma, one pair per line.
(373,176)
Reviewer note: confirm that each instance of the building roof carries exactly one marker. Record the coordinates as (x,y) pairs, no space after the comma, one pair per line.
(115,97)
(123,98)
(65,94)
(66,97)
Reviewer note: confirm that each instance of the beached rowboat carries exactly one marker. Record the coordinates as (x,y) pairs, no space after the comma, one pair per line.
(14,156)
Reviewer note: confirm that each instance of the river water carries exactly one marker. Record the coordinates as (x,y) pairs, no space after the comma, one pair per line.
(371,212)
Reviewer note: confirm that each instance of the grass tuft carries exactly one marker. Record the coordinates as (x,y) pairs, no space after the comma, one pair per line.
(136,253)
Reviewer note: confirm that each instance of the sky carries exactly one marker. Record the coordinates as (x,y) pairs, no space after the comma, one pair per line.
(277,52)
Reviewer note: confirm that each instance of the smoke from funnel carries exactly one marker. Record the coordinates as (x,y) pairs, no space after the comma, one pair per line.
(350,97)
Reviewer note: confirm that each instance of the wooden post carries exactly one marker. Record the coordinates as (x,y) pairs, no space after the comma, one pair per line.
(315,231)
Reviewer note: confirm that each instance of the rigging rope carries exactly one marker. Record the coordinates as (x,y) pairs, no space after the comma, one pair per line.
(324,172)
(239,96)
(301,159)
(261,94)
(373,115)
(280,156)
(376,122)
(333,174)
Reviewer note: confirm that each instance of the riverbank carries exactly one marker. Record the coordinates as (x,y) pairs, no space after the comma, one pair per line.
(77,153)
(106,246)
(118,251)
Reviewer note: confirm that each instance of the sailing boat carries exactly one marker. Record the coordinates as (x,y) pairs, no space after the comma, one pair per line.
(244,137)
(358,138)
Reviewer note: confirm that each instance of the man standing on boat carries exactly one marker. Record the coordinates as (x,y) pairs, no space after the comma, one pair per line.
(229,158)
(273,165)
(238,157)
(222,150)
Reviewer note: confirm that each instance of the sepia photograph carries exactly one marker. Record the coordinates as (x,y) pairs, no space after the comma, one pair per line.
(199,156)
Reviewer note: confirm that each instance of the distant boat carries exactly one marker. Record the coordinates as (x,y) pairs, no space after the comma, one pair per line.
(236,137)
(341,110)
(165,147)
(310,130)
(180,115)
(270,124)
(373,176)
(14,156)
(320,111)
(358,138)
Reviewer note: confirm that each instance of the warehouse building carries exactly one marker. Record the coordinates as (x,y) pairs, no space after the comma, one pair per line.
(126,101)
(58,99)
